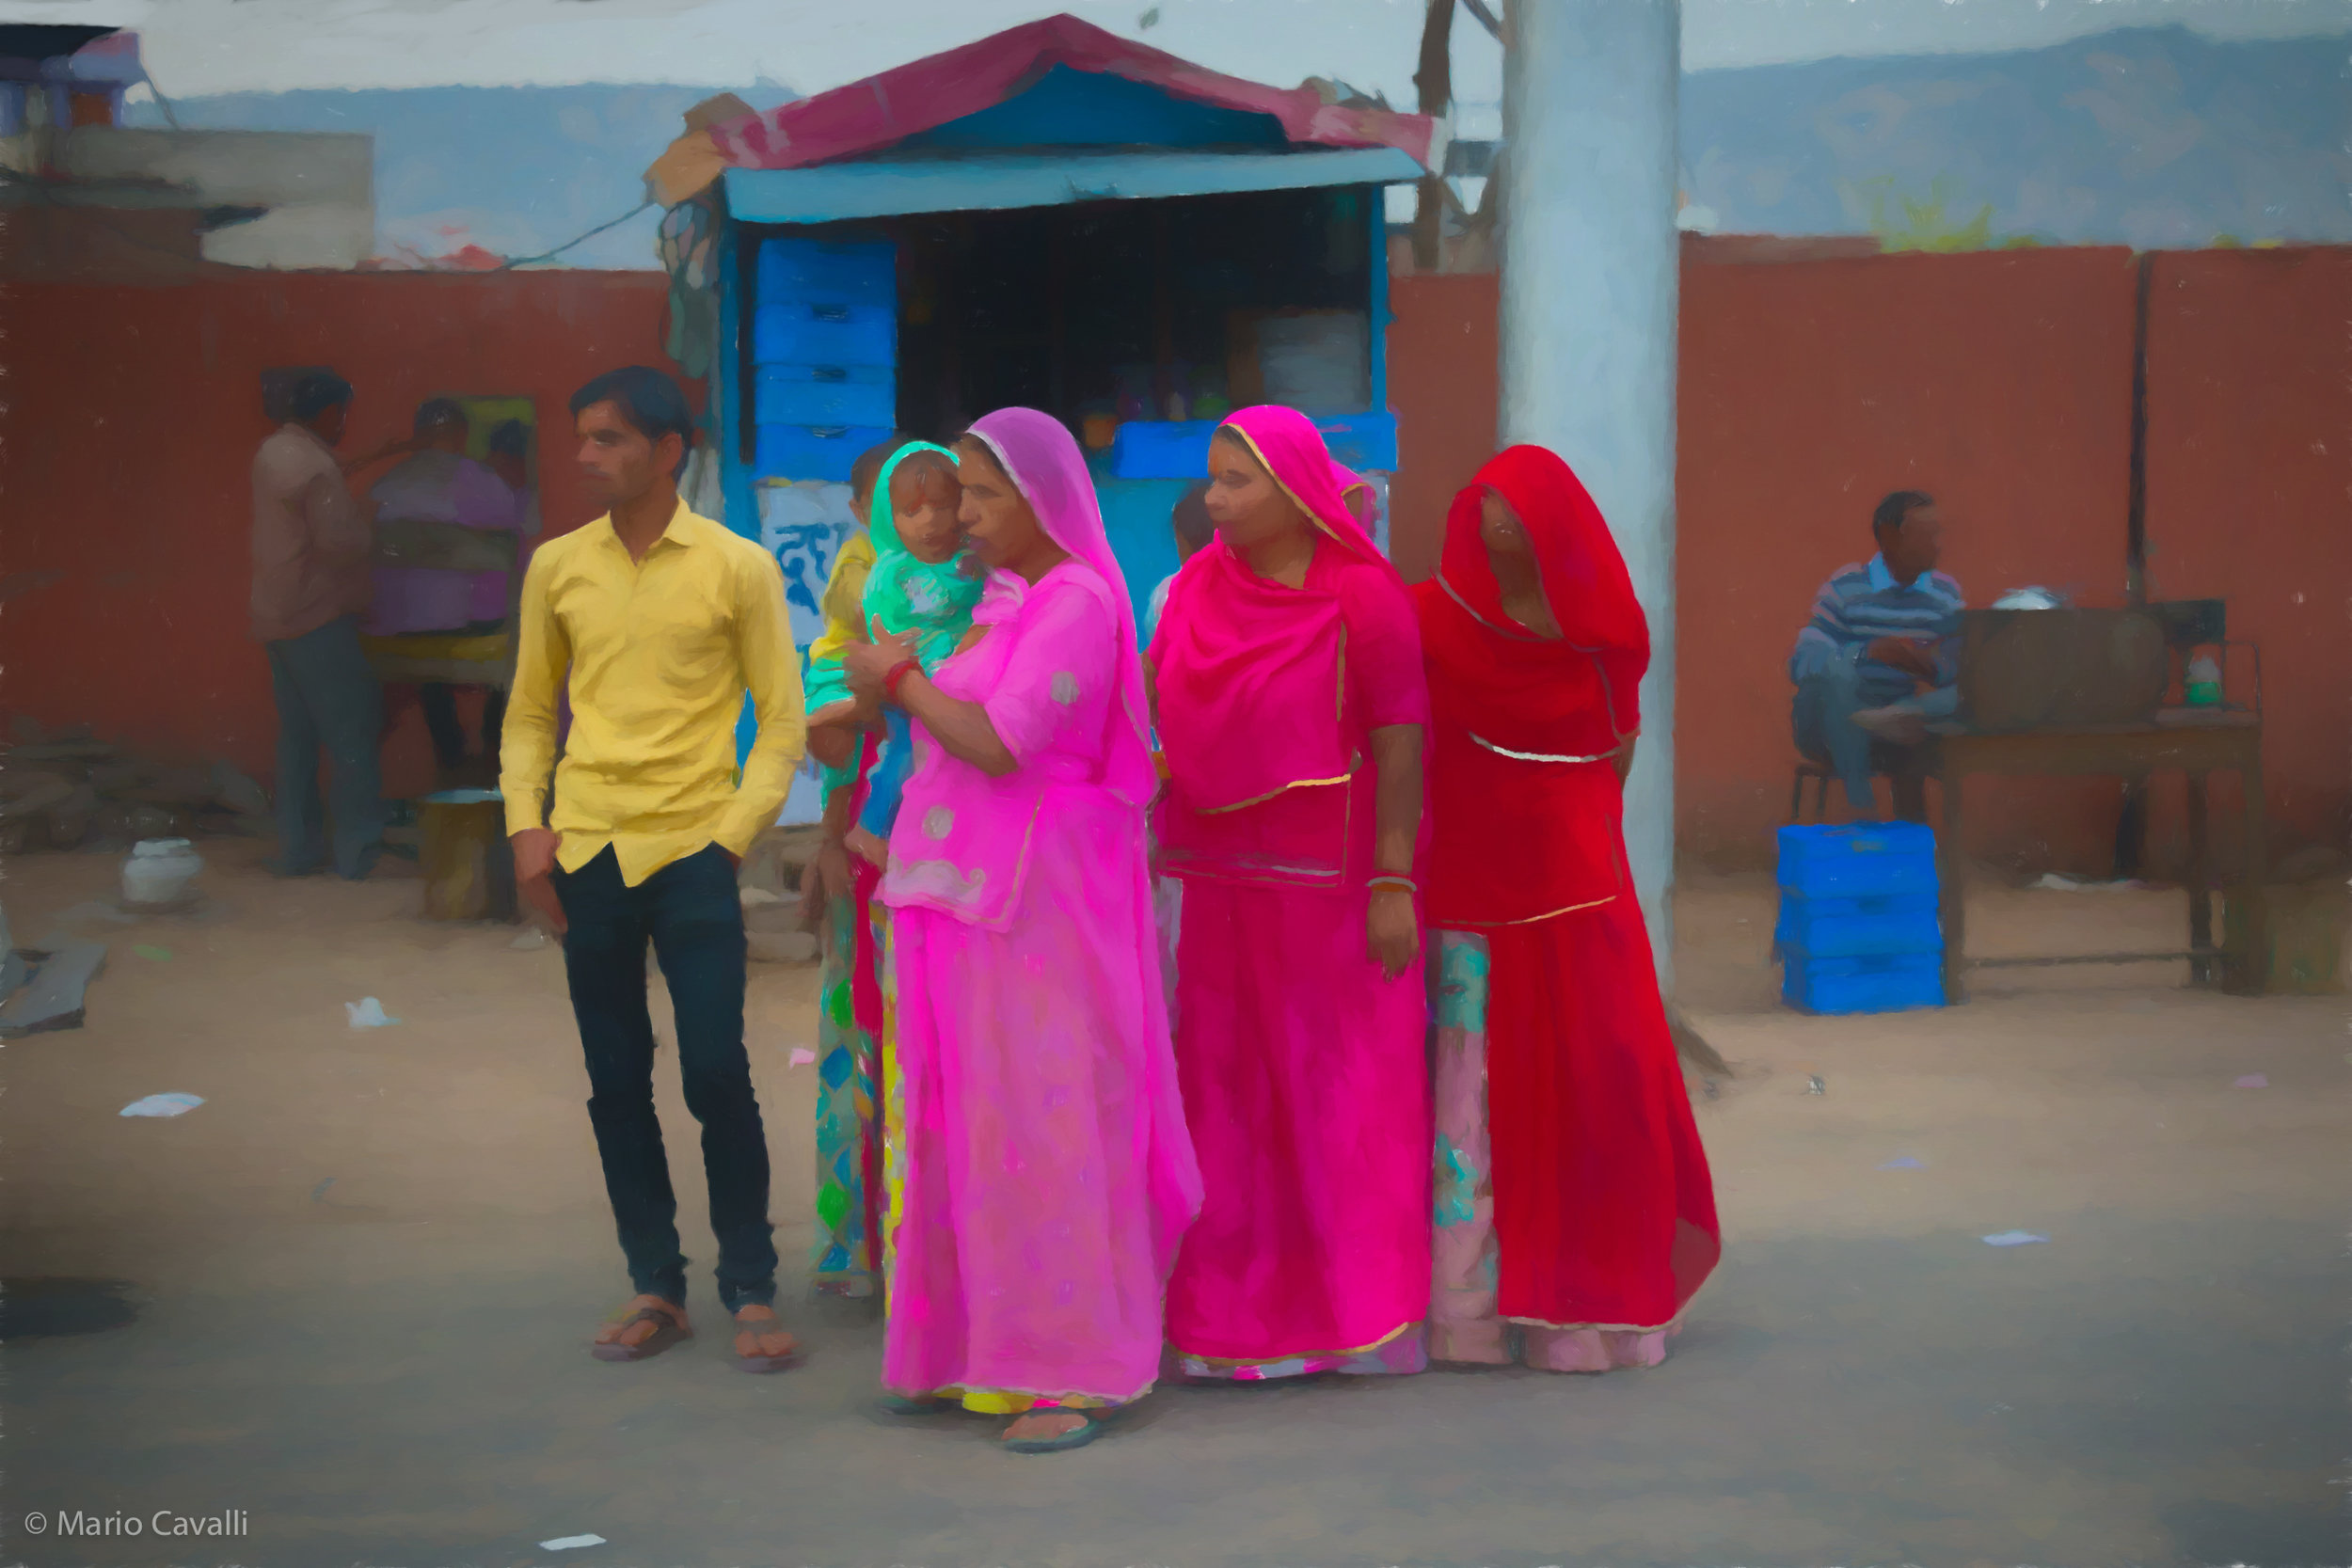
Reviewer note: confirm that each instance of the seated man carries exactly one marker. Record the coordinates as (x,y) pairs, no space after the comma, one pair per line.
(1880,660)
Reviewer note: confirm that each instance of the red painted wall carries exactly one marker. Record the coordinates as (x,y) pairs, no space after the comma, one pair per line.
(2250,498)
(126,571)
(1443,353)
(2001,383)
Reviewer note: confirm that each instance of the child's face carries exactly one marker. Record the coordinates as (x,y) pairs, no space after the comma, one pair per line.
(924,508)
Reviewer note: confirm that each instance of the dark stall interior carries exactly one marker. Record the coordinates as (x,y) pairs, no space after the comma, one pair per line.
(1135,311)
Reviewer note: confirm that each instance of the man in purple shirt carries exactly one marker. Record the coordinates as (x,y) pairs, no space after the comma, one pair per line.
(442,485)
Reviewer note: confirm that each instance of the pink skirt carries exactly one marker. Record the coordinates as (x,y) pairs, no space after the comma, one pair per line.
(1305,1084)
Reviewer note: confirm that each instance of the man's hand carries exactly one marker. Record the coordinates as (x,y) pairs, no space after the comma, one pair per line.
(534,869)
(1915,659)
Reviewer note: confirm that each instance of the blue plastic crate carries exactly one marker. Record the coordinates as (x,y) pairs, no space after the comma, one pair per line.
(812,451)
(1865,861)
(1870,983)
(803,334)
(829,272)
(1148,448)
(1847,927)
(789,394)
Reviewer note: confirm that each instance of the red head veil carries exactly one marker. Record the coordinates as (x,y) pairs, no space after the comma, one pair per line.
(1578,696)
(1525,725)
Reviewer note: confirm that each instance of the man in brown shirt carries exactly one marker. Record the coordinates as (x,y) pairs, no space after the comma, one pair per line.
(310,584)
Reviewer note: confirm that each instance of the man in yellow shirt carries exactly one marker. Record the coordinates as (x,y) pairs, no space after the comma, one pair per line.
(657,622)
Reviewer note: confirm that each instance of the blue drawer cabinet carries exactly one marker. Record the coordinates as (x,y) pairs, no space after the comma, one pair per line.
(825,343)
(821,272)
(805,394)
(800,334)
(813,452)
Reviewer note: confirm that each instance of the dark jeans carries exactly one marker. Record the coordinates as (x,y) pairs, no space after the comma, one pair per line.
(327,696)
(440,700)
(693,914)
(1822,719)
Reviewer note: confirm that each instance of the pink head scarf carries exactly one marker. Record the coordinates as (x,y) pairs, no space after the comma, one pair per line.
(1250,672)
(1037,452)
(1292,449)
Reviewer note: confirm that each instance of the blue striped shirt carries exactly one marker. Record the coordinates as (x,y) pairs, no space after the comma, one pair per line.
(1861,604)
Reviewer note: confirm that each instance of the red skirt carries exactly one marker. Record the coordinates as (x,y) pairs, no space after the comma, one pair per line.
(1604,1210)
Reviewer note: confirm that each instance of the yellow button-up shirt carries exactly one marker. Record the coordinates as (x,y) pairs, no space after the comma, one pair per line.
(659,653)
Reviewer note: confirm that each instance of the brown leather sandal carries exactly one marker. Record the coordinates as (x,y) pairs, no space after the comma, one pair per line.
(671,1329)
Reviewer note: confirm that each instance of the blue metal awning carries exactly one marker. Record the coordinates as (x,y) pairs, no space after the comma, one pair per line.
(995,181)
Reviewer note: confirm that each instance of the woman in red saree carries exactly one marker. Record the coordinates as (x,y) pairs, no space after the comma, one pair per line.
(1290,706)
(1573,1200)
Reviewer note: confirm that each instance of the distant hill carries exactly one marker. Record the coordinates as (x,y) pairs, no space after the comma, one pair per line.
(514,170)
(2143,136)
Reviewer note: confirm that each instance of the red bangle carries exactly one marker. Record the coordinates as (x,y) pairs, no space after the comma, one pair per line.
(900,671)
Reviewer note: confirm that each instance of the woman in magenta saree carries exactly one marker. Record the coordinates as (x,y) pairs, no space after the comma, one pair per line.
(1291,705)
(1575,1212)
(1039,1172)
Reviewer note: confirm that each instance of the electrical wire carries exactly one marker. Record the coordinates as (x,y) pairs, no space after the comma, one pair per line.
(550,255)
(164,104)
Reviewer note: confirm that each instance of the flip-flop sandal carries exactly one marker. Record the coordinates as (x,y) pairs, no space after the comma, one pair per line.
(668,1331)
(903,1404)
(1076,1438)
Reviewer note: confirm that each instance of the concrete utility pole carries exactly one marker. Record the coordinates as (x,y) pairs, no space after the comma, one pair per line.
(1590,282)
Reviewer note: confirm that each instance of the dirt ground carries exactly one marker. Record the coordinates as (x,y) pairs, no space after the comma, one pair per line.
(349,1294)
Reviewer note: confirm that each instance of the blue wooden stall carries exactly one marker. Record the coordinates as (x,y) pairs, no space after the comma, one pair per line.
(830,278)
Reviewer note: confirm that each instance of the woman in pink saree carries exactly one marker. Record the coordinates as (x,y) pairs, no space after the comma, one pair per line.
(1037,1169)
(1291,703)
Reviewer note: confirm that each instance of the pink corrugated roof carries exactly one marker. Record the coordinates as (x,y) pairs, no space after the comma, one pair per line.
(883,110)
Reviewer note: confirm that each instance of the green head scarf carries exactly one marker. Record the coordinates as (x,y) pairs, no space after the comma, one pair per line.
(933,599)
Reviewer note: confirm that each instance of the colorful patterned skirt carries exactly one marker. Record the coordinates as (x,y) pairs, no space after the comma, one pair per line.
(848,1131)
(1628,1208)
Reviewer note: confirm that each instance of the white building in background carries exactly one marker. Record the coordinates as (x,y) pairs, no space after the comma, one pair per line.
(83,193)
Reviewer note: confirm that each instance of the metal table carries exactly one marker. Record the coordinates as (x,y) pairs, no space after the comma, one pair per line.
(2198,742)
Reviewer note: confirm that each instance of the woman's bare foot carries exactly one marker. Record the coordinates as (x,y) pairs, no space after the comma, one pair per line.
(1043,1425)
(761,1339)
(868,848)
(630,1333)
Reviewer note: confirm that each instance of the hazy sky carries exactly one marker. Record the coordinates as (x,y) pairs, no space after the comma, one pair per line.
(209,46)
